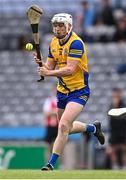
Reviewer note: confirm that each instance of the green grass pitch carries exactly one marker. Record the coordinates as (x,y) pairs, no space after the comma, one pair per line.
(71,174)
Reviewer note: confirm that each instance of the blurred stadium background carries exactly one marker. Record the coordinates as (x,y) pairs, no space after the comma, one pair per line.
(21,98)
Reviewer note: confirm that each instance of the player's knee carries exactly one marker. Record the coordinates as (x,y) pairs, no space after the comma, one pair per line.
(63,128)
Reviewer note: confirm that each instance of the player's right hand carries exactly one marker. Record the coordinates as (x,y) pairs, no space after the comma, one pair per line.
(36,59)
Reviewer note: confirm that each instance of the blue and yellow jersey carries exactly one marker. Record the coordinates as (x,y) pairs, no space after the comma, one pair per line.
(73,49)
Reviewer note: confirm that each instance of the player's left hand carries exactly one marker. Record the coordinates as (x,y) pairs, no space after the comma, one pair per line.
(43,71)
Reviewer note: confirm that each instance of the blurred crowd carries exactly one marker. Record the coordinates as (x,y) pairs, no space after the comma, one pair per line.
(101,24)
(94,20)
(106,23)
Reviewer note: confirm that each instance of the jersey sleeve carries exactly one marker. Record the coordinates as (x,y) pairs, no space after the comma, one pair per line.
(50,56)
(76,50)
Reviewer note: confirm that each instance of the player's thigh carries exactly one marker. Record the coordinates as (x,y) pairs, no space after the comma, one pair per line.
(71,112)
(59,113)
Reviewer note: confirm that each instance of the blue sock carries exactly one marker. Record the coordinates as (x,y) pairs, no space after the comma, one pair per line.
(91,128)
(53,159)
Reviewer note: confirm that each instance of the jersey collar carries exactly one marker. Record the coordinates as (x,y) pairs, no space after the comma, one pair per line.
(66,39)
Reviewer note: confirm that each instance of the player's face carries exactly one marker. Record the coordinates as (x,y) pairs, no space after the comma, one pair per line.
(59,30)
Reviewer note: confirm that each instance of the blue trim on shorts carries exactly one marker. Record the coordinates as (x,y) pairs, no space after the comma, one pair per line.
(79,96)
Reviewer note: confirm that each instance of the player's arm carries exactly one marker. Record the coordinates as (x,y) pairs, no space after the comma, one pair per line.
(49,64)
(65,71)
(74,58)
